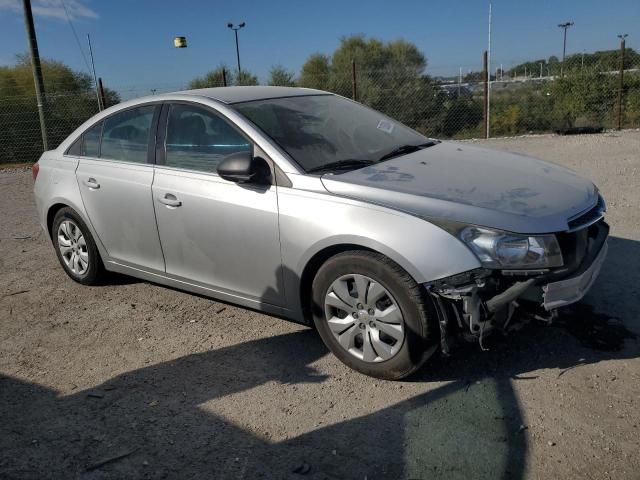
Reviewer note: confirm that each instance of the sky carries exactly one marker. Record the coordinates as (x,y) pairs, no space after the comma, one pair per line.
(133,39)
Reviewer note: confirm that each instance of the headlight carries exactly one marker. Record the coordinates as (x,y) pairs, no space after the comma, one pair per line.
(496,249)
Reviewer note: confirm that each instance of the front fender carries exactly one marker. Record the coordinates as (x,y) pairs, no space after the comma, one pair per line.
(312,221)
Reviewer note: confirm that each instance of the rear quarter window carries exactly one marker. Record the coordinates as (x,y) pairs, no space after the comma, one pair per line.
(91,147)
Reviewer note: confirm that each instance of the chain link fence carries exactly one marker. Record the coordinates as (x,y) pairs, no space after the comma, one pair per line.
(534,97)
(20,134)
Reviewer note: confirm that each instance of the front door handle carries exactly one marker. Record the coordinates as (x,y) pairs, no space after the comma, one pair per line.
(91,183)
(169,200)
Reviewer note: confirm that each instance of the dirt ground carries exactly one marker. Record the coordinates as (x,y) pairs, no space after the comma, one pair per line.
(133,380)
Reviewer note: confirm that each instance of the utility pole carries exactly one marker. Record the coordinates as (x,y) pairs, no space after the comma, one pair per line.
(95,78)
(540,69)
(621,86)
(564,26)
(235,29)
(37,69)
(459,81)
(103,99)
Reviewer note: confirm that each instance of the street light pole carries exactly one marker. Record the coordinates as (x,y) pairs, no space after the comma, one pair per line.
(489,77)
(235,29)
(564,26)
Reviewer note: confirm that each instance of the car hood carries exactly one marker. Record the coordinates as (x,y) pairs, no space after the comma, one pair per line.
(469,184)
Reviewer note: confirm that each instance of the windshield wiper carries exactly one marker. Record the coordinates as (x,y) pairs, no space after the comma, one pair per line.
(406,149)
(340,165)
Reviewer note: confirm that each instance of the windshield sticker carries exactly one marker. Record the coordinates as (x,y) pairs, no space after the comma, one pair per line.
(385,126)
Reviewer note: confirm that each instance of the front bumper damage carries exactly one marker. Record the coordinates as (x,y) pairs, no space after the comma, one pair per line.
(565,292)
(474,303)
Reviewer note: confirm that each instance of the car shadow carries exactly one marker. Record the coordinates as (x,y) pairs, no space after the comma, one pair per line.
(159,422)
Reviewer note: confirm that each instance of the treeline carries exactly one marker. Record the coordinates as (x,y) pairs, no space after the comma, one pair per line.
(70,100)
(391,77)
(603,61)
(581,98)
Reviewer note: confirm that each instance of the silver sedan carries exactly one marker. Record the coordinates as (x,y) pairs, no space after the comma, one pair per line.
(310,206)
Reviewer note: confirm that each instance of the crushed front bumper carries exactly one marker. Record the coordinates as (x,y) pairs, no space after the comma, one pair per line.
(572,289)
(482,300)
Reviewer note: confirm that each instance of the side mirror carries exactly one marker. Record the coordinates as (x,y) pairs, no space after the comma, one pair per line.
(242,167)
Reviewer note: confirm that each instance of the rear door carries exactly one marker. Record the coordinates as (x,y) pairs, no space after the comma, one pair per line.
(115,176)
(215,232)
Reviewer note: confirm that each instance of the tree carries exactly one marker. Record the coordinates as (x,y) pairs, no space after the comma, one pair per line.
(246,78)
(316,72)
(390,77)
(70,100)
(583,99)
(461,114)
(214,78)
(281,77)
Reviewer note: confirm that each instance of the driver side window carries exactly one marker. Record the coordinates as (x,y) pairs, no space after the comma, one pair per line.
(197,139)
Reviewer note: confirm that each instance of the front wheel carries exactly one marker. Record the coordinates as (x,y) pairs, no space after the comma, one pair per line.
(372,315)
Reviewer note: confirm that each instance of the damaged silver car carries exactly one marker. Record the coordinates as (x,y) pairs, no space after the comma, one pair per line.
(310,206)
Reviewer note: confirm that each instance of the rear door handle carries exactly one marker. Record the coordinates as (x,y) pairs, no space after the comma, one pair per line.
(91,183)
(169,200)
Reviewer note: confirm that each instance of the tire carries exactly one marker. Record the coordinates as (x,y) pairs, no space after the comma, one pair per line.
(394,360)
(77,243)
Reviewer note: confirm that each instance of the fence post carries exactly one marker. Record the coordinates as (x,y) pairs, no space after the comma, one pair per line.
(37,69)
(485,102)
(224,77)
(101,97)
(621,86)
(354,86)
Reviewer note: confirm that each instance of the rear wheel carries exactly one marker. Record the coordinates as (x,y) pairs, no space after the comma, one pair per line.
(372,315)
(75,247)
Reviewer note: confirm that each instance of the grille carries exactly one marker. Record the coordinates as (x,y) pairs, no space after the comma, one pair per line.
(589,217)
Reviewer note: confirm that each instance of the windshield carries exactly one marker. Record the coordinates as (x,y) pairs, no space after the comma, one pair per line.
(320,131)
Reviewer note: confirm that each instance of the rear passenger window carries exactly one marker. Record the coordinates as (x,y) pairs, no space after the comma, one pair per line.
(126,135)
(198,139)
(92,141)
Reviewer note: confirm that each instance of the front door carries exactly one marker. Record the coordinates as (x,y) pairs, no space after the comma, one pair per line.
(213,231)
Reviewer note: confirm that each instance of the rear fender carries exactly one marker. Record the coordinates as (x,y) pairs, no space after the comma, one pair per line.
(57,185)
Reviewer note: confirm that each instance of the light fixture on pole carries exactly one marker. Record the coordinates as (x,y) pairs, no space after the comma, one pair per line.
(180,42)
(235,29)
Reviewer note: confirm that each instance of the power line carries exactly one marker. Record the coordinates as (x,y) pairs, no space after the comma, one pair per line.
(66,13)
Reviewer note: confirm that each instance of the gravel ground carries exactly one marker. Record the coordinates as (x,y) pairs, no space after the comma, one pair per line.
(133,380)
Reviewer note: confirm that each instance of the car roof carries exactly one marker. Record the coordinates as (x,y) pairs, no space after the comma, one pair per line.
(231,95)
